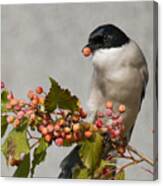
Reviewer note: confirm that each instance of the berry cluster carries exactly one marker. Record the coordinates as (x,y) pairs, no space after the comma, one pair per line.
(111,122)
(64,127)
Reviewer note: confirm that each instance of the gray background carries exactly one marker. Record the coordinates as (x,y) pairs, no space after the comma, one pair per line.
(39,41)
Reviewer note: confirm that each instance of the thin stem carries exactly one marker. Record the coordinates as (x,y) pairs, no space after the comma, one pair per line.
(32,146)
(141,155)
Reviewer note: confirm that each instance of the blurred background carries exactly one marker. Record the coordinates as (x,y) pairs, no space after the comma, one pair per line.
(39,41)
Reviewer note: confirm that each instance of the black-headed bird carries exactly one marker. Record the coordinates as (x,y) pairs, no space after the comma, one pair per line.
(120,75)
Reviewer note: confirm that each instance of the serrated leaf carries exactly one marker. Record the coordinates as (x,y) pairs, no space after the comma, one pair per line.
(24,167)
(120,175)
(4,125)
(60,98)
(81,173)
(39,154)
(16,144)
(90,152)
(4,100)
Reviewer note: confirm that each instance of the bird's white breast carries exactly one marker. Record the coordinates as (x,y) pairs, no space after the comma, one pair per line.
(117,74)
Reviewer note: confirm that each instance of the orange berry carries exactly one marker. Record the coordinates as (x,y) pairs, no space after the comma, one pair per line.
(87,134)
(50,128)
(122,108)
(48,137)
(76,127)
(109,104)
(41,100)
(67,129)
(87,51)
(16,123)
(68,136)
(75,118)
(61,122)
(10,119)
(39,90)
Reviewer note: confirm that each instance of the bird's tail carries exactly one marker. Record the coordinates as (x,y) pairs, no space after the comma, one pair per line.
(69,163)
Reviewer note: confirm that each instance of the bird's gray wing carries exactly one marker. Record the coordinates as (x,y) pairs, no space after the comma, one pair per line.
(144,76)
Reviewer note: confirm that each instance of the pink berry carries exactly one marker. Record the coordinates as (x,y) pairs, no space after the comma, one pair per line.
(115,115)
(109,112)
(33,116)
(56,127)
(59,141)
(120,120)
(10,119)
(99,123)
(8,106)
(29,112)
(2,85)
(39,90)
(50,128)
(30,94)
(17,107)
(100,114)
(56,134)
(21,102)
(10,96)
(20,114)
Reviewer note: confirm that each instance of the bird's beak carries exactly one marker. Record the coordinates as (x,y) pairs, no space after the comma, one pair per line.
(87,51)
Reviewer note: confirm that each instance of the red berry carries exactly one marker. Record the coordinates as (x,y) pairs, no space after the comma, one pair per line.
(17,107)
(83,114)
(99,123)
(87,51)
(39,90)
(2,85)
(59,141)
(87,134)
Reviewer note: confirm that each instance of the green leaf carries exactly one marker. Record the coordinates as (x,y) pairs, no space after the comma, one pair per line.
(16,144)
(4,125)
(81,173)
(120,175)
(4,100)
(61,98)
(24,167)
(39,154)
(90,152)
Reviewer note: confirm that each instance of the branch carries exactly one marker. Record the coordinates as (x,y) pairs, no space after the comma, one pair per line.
(141,155)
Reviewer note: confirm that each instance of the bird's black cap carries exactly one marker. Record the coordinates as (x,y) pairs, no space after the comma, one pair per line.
(107,36)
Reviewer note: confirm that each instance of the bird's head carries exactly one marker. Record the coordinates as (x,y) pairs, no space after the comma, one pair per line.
(104,37)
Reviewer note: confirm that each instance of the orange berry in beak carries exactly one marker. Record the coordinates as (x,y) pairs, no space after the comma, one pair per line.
(86,51)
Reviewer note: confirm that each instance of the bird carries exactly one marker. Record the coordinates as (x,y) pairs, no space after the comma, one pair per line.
(120,74)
